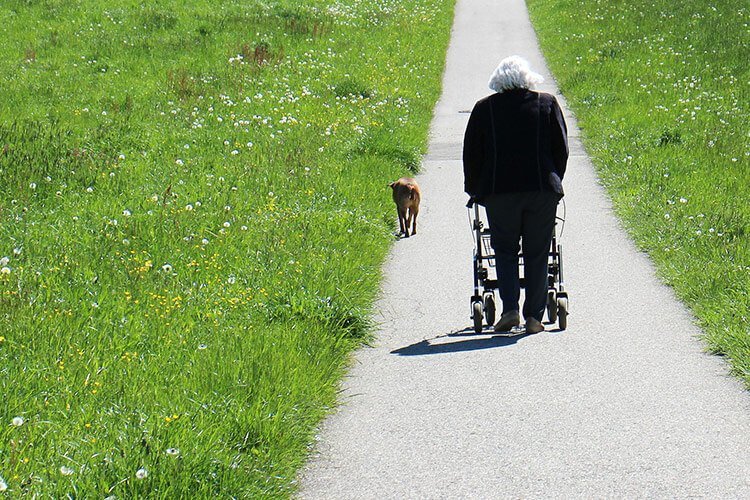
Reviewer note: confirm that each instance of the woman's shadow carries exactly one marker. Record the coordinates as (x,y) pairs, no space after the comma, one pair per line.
(467,340)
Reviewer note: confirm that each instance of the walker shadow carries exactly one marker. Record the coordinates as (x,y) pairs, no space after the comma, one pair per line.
(466,342)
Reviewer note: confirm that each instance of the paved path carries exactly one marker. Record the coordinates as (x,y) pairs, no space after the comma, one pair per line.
(623,404)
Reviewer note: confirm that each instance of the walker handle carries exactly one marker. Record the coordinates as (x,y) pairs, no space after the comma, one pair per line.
(471,202)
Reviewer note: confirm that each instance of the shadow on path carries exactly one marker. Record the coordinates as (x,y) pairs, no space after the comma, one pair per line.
(467,341)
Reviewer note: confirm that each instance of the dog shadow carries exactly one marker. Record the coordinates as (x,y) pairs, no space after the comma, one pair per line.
(462,341)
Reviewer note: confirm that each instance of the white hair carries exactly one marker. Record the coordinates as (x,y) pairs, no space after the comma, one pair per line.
(513,73)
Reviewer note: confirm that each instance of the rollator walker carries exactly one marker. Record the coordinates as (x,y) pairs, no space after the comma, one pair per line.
(483,301)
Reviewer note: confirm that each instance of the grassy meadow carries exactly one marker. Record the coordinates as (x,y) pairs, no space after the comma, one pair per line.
(193,214)
(662,93)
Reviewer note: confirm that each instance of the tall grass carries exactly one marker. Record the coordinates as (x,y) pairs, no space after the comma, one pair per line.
(661,92)
(193,213)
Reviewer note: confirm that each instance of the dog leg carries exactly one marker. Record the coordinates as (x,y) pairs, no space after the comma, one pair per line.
(402,222)
(414,220)
(409,218)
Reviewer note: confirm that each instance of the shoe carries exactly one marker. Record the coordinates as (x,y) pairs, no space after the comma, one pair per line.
(508,320)
(533,325)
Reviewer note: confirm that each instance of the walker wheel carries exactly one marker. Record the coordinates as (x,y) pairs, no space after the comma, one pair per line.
(476,308)
(562,313)
(551,306)
(489,309)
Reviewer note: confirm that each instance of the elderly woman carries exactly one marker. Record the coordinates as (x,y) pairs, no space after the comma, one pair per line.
(515,152)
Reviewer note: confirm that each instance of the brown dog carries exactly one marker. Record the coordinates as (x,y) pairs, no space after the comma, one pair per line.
(406,194)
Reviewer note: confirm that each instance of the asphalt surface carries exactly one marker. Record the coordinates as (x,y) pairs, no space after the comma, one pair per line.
(623,404)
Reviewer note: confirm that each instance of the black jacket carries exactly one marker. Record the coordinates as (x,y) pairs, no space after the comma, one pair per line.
(515,141)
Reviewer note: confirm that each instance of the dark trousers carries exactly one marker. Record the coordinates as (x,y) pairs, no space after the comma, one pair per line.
(530,218)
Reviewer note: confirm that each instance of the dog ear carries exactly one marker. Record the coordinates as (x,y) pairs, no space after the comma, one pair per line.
(391,184)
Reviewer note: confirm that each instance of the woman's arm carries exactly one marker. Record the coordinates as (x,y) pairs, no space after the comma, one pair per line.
(473,154)
(559,137)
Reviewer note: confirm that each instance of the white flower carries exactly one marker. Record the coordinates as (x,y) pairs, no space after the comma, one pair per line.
(122,157)
(95,305)
(125,241)
(166,268)
(244,228)
(141,473)
(5,270)
(127,213)
(66,471)
(227,224)
(198,204)
(17,251)
(235,152)
(155,198)
(202,346)
(4,261)
(32,185)
(17,421)
(188,207)
(204,241)
(3,485)
(683,200)
(89,189)
(179,162)
(173,452)
(227,208)
(231,280)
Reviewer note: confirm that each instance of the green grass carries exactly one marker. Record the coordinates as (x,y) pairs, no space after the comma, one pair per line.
(661,90)
(193,214)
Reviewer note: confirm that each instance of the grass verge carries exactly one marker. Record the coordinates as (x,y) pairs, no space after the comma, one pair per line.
(193,214)
(661,93)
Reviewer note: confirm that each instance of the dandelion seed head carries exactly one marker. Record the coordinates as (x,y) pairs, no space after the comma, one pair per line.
(17,251)
(66,471)
(32,185)
(188,207)
(17,421)
(179,162)
(5,270)
(227,224)
(4,261)
(89,189)
(141,473)
(3,485)
(166,268)
(204,241)
(127,213)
